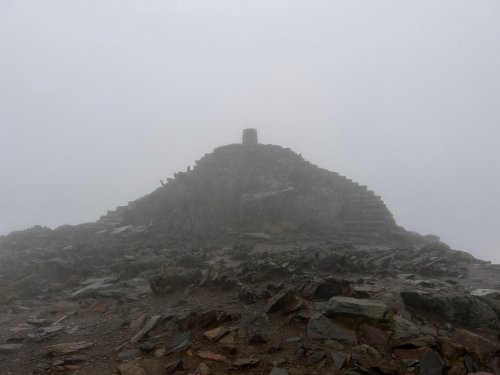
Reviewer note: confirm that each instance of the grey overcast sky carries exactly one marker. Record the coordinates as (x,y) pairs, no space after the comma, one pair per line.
(100,99)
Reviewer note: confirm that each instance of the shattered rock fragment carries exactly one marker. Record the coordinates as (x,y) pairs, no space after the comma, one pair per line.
(355,307)
(148,327)
(286,299)
(172,367)
(323,328)
(40,322)
(278,371)
(245,362)
(480,346)
(219,332)
(68,348)
(94,285)
(432,364)
(9,348)
(366,356)
(130,368)
(325,288)
(205,354)
(168,280)
(181,343)
(49,330)
(339,360)
(202,369)
(315,357)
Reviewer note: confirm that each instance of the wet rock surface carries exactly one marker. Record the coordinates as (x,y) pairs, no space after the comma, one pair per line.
(112,322)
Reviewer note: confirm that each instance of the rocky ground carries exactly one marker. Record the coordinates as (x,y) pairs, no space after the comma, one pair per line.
(98,300)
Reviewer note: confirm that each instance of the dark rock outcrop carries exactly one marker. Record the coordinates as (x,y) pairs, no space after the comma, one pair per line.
(255,189)
(462,309)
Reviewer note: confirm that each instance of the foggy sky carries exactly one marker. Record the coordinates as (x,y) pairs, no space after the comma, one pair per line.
(99,100)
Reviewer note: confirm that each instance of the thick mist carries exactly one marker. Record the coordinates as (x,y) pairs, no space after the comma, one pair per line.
(99,100)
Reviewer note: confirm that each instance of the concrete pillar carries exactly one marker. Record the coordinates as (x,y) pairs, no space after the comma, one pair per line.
(250,137)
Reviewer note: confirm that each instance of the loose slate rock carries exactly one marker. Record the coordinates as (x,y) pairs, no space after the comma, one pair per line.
(147,347)
(40,322)
(215,333)
(49,330)
(374,336)
(322,289)
(282,300)
(129,354)
(293,339)
(356,307)
(181,342)
(8,348)
(404,330)
(315,358)
(109,327)
(324,328)
(130,368)
(202,369)
(206,354)
(174,366)
(69,347)
(339,360)
(431,364)
(278,361)
(278,371)
(245,362)
(366,356)
(137,323)
(97,284)
(148,327)
(484,292)
(479,345)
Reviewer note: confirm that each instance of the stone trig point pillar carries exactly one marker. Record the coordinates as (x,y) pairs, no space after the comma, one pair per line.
(250,137)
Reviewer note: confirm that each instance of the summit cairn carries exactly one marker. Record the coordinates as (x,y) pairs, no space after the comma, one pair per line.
(259,188)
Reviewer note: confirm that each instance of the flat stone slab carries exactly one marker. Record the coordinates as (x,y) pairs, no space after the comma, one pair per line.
(69,347)
(356,307)
(8,348)
(484,292)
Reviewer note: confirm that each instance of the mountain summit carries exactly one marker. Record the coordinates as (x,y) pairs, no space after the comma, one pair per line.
(252,187)
(254,261)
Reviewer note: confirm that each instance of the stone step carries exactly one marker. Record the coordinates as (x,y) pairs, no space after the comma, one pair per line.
(362,226)
(365,222)
(363,216)
(109,221)
(358,235)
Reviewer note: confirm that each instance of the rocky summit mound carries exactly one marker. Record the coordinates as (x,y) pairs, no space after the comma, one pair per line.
(259,189)
(253,262)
